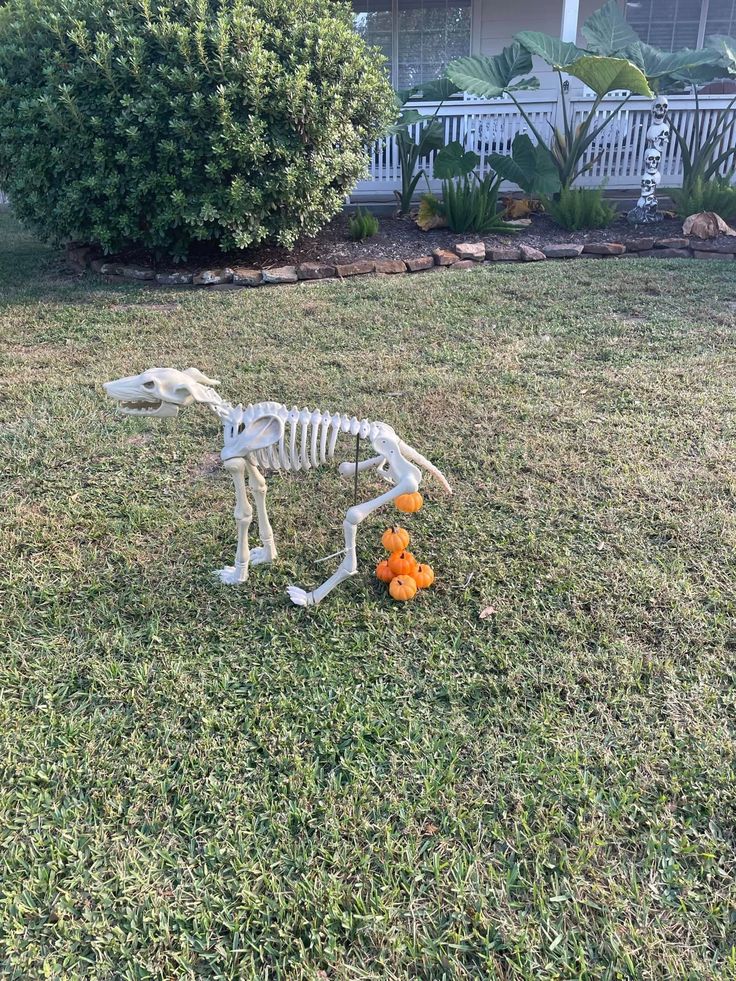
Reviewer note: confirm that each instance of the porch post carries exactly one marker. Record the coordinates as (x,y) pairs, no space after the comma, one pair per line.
(569,26)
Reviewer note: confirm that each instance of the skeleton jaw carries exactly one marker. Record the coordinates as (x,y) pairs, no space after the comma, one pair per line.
(142,407)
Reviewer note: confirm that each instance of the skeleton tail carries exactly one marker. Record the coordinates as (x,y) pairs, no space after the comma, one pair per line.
(411,454)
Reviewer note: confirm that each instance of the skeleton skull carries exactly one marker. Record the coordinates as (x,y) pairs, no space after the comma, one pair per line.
(160,392)
(651,161)
(660,108)
(648,186)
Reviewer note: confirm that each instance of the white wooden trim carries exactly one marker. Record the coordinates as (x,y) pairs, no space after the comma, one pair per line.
(705,4)
(570,17)
(476,18)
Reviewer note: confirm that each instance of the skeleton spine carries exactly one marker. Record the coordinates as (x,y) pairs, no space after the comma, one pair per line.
(308,437)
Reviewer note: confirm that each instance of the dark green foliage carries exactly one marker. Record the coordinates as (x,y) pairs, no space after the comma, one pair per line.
(581,208)
(174,121)
(469,203)
(362,225)
(717,195)
(530,166)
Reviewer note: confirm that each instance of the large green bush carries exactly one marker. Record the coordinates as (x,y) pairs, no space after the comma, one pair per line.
(161,123)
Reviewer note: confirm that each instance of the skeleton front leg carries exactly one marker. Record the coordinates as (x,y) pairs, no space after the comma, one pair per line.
(232,574)
(349,565)
(267,552)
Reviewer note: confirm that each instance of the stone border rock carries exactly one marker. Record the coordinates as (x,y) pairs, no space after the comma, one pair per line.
(465,255)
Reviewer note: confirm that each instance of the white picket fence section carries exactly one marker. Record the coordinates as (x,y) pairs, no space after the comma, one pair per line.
(490,127)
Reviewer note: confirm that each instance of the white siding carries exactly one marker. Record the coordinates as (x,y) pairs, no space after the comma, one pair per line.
(498,21)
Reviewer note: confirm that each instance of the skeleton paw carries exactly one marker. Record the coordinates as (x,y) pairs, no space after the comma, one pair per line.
(232,575)
(260,555)
(299,596)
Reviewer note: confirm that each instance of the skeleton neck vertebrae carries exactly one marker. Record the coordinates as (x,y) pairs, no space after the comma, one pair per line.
(270,436)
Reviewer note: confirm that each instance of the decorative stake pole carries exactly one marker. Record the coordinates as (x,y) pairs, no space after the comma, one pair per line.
(658,136)
(269,436)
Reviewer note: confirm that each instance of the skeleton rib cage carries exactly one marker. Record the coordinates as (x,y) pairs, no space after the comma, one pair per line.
(308,436)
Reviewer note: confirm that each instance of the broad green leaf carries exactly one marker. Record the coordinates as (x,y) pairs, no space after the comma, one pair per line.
(491,77)
(408,117)
(454,160)
(403,95)
(604,75)
(726,48)
(438,90)
(670,70)
(559,54)
(530,166)
(607,32)
(431,137)
(656,64)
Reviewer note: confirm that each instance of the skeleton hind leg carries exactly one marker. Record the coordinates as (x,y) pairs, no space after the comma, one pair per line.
(238,572)
(349,565)
(267,551)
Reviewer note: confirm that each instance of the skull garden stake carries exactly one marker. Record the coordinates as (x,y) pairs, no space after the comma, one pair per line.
(658,136)
(269,436)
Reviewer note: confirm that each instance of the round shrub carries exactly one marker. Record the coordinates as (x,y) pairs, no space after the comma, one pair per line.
(159,123)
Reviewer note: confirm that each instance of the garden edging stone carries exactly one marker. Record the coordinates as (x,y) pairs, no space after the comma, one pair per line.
(604,248)
(464,256)
(529,254)
(705,254)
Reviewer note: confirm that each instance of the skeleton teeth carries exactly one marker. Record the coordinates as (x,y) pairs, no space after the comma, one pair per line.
(140,408)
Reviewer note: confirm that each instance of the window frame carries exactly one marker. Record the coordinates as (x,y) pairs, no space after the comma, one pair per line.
(702,26)
(394,61)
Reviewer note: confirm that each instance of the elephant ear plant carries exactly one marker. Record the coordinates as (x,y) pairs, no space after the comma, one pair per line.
(418,136)
(598,68)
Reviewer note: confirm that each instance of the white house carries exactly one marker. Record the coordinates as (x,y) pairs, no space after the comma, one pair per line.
(420,37)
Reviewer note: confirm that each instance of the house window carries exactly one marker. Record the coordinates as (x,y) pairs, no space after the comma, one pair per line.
(666,24)
(720,17)
(418,37)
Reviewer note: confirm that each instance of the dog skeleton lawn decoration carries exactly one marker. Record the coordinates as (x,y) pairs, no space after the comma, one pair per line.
(270,436)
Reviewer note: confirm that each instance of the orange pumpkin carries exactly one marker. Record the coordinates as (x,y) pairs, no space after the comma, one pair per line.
(423,575)
(395,538)
(384,572)
(409,502)
(402,588)
(402,563)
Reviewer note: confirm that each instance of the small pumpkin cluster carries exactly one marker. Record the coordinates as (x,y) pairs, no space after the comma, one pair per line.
(401,570)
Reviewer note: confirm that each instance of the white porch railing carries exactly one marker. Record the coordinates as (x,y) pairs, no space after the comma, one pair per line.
(490,126)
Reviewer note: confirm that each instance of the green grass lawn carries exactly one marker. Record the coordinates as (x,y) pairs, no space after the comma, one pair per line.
(205,781)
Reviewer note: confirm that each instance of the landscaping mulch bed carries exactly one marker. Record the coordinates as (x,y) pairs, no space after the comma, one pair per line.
(401,238)
(399,247)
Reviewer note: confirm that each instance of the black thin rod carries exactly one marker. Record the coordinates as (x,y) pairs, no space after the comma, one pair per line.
(355,485)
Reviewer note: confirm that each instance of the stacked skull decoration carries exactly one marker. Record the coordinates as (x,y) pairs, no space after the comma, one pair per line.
(658,136)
